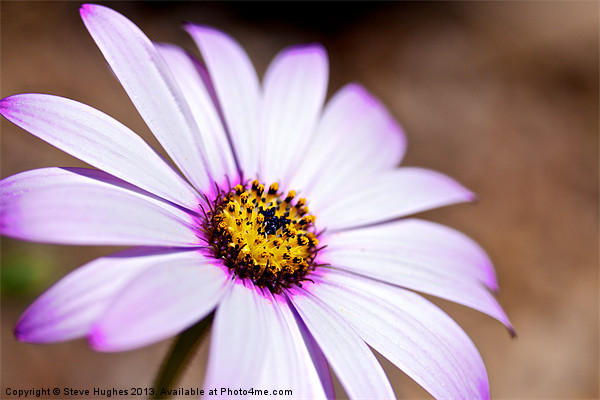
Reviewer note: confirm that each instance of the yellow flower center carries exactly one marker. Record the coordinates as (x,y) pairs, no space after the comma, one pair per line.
(261,235)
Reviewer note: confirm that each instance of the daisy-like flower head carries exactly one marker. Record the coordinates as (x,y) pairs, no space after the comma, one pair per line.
(289,220)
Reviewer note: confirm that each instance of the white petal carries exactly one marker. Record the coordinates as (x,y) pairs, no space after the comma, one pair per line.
(237,89)
(69,308)
(161,302)
(409,331)
(294,90)
(238,339)
(316,355)
(287,362)
(355,136)
(98,140)
(353,362)
(152,88)
(387,195)
(85,206)
(218,150)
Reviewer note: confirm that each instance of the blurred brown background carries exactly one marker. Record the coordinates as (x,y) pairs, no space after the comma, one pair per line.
(503,96)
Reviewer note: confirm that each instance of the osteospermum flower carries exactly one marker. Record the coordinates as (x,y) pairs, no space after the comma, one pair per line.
(289,222)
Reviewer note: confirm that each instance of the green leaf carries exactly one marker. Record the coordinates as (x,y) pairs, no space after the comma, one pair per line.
(179,355)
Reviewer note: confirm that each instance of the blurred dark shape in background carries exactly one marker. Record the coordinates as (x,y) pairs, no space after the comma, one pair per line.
(502,96)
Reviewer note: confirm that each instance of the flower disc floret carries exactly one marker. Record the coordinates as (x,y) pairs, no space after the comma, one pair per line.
(260,234)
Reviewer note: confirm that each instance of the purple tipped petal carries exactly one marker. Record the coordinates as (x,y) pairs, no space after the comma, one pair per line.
(353,362)
(239,337)
(355,136)
(294,90)
(416,277)
(69,308)
(419,243)
(422,256)
(237,88)
(161,302)
(152,88)
(412,333)
(84,206)
(218,151)
(99,140)
(388,195)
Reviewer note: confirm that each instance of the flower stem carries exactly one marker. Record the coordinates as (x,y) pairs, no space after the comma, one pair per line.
(178,357)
